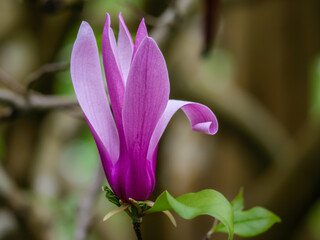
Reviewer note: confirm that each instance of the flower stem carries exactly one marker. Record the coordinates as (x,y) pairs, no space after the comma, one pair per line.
(137,229)
(136,220)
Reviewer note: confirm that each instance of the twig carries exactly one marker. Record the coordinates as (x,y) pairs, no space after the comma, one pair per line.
(84,217)
(18,88)
(45,102)
(169,18)
(12,99)
(21,99)
(47,68)
(34,102)
(11,83)
(151,20)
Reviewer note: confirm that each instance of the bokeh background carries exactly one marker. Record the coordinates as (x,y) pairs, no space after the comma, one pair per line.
(255,63)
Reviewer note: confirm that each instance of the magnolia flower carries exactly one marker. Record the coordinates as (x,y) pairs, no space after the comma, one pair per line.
(138,85)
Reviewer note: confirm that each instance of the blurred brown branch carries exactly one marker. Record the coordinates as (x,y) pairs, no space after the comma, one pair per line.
(85,208)
(12,99)
(21,137)
(35,102)
(21,100)
(211,15)
(296,178)
(140,13)
(10,82)
(47,68)
(31,219)
(170,19)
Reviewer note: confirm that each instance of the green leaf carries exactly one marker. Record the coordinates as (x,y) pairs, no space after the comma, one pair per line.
(191,205)
(237,203)
(252,222)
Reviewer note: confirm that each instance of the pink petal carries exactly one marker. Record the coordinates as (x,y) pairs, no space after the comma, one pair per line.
(201,118)
(113,45)
(142,33)
(90,91)
(131,180)
(107,161)
(125,47)
(146,97)
(115,82)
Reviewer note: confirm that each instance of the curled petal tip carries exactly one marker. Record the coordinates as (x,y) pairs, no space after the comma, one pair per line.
(201,118)
(213,129)
(206,127)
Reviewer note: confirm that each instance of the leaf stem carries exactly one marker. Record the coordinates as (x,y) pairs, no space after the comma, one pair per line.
(211,231)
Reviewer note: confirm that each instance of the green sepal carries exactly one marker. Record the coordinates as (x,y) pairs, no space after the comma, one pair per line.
(111,196)
(143,206)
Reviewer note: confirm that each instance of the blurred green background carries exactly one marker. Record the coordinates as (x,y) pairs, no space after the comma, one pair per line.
(255,63)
